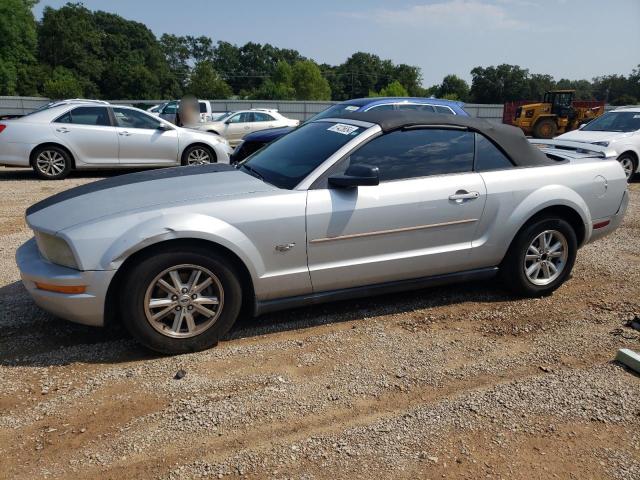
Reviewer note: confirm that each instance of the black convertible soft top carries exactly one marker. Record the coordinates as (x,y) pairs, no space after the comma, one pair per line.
(510,139)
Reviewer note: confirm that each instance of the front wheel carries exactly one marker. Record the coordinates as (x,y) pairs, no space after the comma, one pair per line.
(198,155)
(540,258)
(545,128)
(178,301)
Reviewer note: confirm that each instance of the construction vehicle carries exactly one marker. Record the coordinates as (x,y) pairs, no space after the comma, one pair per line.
(557,114)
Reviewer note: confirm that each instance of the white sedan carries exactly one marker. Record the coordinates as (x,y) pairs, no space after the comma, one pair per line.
(82,135)
(235,125)
(618,130)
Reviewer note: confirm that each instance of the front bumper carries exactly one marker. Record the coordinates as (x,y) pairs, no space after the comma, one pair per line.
(86,308)
(614,222)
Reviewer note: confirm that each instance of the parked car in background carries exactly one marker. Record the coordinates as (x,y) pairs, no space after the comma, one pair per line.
(83,135)
(619,130)
(235,125)
(170,111)
(256,141)
(344,207)
(156,109)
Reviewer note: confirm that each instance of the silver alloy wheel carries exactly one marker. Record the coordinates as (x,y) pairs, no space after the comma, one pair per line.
(183,301)
(198,156)
(627,165)
(50,163)
(546,257)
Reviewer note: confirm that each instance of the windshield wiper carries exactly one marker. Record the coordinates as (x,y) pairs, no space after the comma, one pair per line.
(253,172)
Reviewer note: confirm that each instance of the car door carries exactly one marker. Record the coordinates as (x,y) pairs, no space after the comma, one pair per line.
(169,112)
(141,141)
(89,134)
(237,126)
(419,221)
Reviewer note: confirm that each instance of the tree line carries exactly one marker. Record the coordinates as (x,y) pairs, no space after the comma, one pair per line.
(75,52)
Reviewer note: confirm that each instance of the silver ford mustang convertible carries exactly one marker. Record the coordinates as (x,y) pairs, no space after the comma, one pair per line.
(339,208)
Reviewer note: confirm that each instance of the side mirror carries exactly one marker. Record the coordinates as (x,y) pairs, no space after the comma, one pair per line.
(163,127)
(356,175)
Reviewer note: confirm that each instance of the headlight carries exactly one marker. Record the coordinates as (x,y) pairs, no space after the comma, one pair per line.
(602,144)
(56,250)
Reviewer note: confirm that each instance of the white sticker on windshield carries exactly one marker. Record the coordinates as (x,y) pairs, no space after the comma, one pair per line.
(351,108)
(342,128)
(636,116)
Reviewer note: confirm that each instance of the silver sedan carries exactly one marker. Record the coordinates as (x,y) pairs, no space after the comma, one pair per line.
(339,208)
(82,135)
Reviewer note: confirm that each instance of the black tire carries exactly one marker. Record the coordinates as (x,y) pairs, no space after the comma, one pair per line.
(545,128)
(138,284)
(512,270)
(51,163)
(191,149)
(625,159)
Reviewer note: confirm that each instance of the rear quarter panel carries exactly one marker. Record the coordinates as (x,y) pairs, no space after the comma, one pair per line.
(516,195)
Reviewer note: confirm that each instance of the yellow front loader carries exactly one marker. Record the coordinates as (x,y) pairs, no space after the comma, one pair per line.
(555,115)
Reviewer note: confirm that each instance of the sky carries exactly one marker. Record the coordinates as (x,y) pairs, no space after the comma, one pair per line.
(565,38)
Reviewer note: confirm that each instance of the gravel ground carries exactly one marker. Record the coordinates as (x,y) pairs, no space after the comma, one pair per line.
(456,382)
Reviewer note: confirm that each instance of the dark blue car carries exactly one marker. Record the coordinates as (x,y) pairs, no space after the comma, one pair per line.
(255,141)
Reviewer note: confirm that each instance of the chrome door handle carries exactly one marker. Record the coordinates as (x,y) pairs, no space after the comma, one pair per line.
(125,134)
(63,130)
(462,195)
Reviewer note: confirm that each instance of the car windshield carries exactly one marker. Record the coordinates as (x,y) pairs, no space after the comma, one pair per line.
(614,122)
(287,161)
(224,116)
(335,111)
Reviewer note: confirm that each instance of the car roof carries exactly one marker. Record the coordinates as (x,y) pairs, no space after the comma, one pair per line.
(629,108)
(361,102)
(508,138)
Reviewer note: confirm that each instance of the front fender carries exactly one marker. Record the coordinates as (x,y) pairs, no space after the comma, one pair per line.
(190,226)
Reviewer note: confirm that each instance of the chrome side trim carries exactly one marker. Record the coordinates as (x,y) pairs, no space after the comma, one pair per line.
(394,230)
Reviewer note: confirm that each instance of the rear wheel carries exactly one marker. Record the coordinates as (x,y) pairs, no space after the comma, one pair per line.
(178,301)
(198,155)
(51,163)
(545,128)
(540,258)
(628,165)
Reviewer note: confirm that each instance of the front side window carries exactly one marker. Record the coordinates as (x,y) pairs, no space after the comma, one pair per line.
(98,116)
(243,117)
(381,108)
(170,108)
(488,156)
(290,159)
(128,118)
(203,107)
(417,153)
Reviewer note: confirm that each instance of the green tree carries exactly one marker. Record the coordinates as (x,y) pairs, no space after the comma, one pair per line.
(62,84)
(504,83)
(453,88)
(394,89)
(279,86)
(17,43)
(206,83)
(308,82)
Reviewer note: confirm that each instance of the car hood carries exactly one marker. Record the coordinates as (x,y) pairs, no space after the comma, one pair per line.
(135,191)
(591,137)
